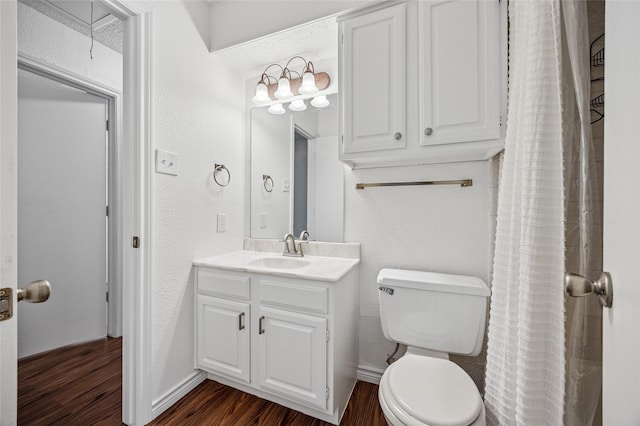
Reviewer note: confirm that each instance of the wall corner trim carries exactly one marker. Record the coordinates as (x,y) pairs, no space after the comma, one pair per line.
(163,403)
(369,374)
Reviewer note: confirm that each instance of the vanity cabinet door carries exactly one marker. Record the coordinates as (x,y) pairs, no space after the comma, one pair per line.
(373,81)
(292,354)
(459,71)
(223,336)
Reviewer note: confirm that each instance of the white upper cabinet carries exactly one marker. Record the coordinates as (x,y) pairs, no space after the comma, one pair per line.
(372,67)
(422,82)
(459,63)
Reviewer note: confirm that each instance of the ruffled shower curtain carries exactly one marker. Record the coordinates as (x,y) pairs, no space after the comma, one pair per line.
(546,132)
(525,356)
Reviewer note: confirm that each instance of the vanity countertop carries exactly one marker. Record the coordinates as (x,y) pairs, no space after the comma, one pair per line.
(319,268)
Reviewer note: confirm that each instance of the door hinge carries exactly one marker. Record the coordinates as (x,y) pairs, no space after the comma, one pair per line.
(327,335)
(326,394)
(136,242)
(107,210)
(107,125)
(501,120)
(107,293)
(6,303)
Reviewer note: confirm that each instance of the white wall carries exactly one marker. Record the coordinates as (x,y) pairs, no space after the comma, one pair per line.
(54,43)
(229,18)
(432,228)
(198,112)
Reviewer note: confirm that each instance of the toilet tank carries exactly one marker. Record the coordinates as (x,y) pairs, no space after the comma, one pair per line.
(439,312)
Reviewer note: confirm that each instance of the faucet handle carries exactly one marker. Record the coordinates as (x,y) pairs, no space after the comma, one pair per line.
(304,235)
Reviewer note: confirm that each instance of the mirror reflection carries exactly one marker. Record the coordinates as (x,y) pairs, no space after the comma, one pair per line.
(297,182)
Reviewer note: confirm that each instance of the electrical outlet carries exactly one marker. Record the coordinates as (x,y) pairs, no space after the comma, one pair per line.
(263,220)
(166,162)
(286,185)
(222,222)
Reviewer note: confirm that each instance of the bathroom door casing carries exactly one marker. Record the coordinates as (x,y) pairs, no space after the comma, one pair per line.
(62,226)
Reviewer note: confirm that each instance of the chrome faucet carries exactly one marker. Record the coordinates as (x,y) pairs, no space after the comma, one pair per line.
(304,235)
(291,250)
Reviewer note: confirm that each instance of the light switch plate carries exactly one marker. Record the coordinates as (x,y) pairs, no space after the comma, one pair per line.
(222,222)
(166,162)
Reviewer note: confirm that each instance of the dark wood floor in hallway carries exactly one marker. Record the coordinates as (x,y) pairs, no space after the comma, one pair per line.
(81,385)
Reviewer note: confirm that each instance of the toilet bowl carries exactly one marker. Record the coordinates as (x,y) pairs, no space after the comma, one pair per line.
(420,390)
(433,314)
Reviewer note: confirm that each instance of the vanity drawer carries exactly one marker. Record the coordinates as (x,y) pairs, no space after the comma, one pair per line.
(294,296)
(217,283)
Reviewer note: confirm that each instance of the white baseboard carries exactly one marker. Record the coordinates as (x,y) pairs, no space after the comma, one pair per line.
(370,374)
(160,405)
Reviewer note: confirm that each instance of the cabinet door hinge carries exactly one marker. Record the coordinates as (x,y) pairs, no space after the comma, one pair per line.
(501,120)
(107,125)
(136,242)
(107,210)
(326,394)
(327,335)
(107,296)
(342,38)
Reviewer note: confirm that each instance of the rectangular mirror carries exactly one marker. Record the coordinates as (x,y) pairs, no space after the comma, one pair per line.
(297,182)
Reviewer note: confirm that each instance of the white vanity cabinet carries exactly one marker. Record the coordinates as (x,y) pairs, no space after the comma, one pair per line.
(421,82)
(289,340)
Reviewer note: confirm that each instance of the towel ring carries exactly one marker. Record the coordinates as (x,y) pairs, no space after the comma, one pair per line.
(265,179)
(218,168)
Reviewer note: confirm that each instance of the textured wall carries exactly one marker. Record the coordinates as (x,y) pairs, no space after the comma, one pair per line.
(433,228)
(54,43)
(198,112)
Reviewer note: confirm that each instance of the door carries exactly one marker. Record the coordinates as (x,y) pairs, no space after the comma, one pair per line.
(373,80)
(8,208)
(459,72)
(292,356)
(223,337)
(62,198)
(621,323)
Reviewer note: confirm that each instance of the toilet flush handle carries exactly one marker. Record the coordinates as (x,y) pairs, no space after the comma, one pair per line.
(387,290)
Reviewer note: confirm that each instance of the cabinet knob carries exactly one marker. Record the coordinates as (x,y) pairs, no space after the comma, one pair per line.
(397,136)
(428,131)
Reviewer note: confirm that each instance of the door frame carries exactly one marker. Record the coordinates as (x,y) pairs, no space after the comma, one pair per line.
(114,108)
(134,209)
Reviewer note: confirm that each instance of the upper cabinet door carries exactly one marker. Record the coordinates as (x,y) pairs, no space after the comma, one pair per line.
(373,80)
(459,71)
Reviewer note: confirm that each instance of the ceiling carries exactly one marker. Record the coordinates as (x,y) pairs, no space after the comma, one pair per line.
(77,15)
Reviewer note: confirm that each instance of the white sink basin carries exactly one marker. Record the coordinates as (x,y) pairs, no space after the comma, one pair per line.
(279,263)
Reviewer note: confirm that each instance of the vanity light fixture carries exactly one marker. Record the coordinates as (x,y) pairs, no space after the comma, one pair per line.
(306,84)
(276,109)
(297,105)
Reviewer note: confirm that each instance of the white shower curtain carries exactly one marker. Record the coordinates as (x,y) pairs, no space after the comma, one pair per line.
(525,379)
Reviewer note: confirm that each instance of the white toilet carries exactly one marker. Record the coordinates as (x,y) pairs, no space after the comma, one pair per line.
(434,315)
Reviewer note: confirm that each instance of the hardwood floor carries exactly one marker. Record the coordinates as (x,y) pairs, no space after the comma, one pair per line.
(214,404)
(74,385)
(81,385)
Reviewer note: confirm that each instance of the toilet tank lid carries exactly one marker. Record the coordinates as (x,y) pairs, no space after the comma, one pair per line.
(434,281)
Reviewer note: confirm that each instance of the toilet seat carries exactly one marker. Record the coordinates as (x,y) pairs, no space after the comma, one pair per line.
(431,391)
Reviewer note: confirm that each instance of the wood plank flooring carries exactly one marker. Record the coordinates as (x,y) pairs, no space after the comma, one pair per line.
(214,404)
(81,385)
(74,385)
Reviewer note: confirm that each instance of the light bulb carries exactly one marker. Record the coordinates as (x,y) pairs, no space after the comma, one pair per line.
(262,95)
(320,101)
(284,89)
(276,109)
(297,105)
(308,86)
